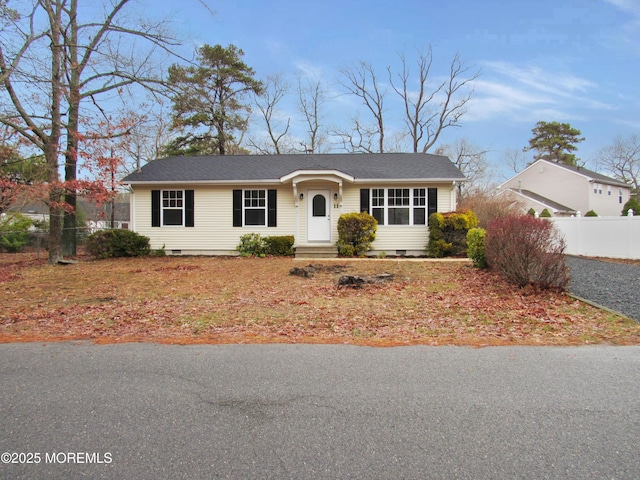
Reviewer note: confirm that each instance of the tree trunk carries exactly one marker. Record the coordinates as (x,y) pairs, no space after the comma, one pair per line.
(52,143)
(69,232)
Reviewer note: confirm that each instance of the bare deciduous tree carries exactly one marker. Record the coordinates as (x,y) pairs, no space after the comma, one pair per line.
(277,129)
(69,67)
(622,159)
(361,80)
(515,159)
(312,97)
(428,107)
(470,159)
(430,111)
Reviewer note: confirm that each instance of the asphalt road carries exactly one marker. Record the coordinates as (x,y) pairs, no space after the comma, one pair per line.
(313,412)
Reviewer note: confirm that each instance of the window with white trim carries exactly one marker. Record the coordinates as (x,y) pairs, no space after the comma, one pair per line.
(255,207)
(399,206)
(377,205)
(419,206)
(620,196)
(172,207)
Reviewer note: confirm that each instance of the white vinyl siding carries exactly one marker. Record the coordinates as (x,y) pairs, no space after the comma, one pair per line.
(214,232)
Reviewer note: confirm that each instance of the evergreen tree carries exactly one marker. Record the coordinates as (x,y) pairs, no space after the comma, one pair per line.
(555,142)
(210,103)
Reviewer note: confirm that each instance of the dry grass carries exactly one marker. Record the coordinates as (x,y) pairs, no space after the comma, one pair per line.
(234,300)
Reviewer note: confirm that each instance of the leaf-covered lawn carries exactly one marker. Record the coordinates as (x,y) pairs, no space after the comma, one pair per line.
(232,300)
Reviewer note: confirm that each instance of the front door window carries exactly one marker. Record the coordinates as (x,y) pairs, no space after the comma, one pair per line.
(319,206)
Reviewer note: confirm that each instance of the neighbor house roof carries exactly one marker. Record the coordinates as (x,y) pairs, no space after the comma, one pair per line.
(277,168)
(590,174)
(540,199)
(594,175)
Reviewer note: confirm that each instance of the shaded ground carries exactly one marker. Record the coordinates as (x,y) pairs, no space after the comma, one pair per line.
(232,300)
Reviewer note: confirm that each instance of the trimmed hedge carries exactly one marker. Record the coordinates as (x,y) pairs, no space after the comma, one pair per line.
(281,246)
(476,247)
(448,233)
(117,243)
(255,245)
(356,233)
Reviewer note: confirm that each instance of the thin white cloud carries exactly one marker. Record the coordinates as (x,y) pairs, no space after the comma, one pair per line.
(626,34)
(308,70)
(629,6)
(529,92)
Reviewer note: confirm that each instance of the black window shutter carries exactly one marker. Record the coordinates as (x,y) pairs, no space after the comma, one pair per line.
(432,201)
(237,208)
(155,208)
(272,208)
(188,210)
(364,200)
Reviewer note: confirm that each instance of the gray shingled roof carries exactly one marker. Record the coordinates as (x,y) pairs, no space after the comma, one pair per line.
(595,175)
(240,168)
(544,200)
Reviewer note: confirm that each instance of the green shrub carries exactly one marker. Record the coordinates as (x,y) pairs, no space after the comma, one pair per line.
(14,233)
(532,212)
(255,245)
(526,250)
(117,243)
(356,233)
(633,204)
(281,246)
(476,247)
(159,252)
(591,213)
(545,213)
(252,245)
(448,233)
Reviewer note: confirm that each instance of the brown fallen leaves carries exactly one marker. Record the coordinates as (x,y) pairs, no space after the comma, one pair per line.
(236,300)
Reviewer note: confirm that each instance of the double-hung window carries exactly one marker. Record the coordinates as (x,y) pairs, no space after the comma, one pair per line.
(172,208)
(419,206)
(398,212)
(255,208)
(399,206)
(378,205)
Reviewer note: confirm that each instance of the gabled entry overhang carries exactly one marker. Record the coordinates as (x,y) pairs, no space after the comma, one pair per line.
(333,176)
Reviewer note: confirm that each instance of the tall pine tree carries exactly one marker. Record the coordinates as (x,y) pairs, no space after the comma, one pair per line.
(210,104)
(555,142)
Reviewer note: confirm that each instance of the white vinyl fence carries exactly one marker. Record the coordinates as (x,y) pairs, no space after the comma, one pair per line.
(614,237)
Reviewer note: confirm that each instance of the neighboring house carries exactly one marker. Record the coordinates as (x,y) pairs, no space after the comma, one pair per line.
(566,190)
(203,205)
(97,218)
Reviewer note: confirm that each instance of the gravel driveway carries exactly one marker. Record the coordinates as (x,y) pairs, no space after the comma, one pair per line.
(613,285)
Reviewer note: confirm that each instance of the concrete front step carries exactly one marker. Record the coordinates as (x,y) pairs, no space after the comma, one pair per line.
(316,251)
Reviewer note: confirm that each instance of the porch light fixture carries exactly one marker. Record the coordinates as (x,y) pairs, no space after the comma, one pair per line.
(302,196)
(335,196)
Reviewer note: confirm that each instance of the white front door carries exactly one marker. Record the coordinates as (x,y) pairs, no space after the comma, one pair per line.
(319,216)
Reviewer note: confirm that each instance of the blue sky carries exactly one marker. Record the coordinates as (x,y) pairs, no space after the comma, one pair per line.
(575,61)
